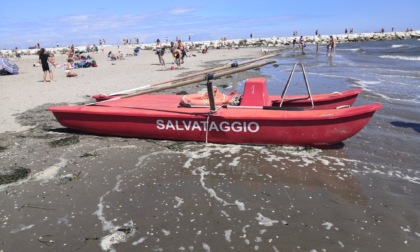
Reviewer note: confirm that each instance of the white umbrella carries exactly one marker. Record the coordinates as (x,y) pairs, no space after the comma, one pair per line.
(9,66)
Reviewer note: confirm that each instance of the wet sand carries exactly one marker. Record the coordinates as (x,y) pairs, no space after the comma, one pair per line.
(92,193)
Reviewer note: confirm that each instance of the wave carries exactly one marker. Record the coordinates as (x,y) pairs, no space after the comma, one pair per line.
(353,49)
(365,82)
(398,46)
(400,57)
(389,97)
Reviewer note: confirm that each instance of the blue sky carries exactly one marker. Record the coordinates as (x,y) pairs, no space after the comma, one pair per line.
(25,23)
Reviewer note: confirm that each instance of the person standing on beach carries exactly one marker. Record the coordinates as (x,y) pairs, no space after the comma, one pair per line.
(317,44)
(71,53)
(176,53)
(181,47)
(302,44)
(160,51)
(17,53)
(44,59)
(332,43)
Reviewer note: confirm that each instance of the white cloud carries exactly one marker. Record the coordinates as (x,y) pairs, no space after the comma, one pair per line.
(177,11)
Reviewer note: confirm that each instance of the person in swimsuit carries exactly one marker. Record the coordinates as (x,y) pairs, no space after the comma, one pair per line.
(181,47)
(72,52)
(44,59)
(302,44)
(332,43)
(160,51)
(176,53)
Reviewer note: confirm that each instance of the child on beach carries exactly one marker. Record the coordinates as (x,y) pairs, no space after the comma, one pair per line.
(69,67)
(51,61)
(112,56)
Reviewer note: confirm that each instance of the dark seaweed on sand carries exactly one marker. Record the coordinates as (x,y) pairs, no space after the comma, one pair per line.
(17,174)
(65,141)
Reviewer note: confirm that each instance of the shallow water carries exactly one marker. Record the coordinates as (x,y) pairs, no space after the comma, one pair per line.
(388,69)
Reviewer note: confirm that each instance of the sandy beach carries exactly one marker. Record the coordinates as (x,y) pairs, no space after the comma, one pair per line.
(81,192)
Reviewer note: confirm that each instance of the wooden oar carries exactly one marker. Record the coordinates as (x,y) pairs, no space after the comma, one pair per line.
(199,79)
(196,74)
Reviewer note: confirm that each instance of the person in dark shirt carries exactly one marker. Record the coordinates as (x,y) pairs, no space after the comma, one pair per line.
(44,58)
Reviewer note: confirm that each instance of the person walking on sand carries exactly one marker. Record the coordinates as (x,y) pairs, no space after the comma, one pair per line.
(44,59)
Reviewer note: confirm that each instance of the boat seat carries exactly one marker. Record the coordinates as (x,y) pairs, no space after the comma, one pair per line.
(255,93)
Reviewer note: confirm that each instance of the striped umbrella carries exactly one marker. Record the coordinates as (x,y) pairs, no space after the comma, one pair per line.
(9,66)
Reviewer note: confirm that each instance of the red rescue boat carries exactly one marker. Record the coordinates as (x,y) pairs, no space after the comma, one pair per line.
(256,120)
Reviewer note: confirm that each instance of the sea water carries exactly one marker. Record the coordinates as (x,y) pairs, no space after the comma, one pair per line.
(389,70)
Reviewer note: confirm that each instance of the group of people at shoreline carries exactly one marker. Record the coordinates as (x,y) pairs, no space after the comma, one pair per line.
(178,51)
(331,44)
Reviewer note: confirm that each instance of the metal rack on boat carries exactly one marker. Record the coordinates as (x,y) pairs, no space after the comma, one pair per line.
(283,95)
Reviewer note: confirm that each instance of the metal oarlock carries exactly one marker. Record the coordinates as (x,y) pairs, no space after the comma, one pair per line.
(288,83)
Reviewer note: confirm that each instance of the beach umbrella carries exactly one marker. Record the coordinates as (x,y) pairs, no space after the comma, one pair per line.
(9,66)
